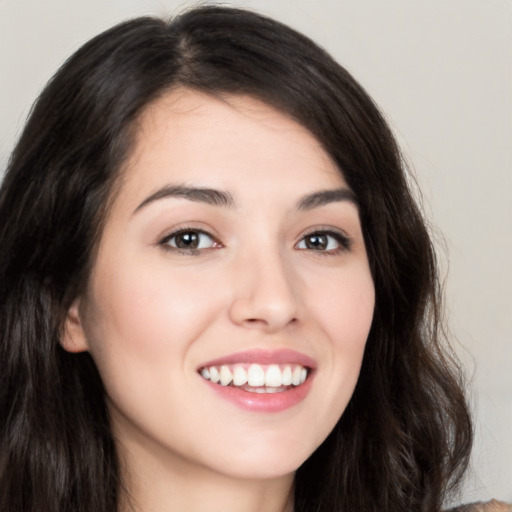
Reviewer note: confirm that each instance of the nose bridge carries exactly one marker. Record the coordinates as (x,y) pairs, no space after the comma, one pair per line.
(264,288)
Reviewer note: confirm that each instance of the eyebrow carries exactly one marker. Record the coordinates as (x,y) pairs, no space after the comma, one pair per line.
(324,197)
(216,197)
(196,194)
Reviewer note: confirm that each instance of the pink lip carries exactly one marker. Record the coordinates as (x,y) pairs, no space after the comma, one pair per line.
(264,402)
(263,356)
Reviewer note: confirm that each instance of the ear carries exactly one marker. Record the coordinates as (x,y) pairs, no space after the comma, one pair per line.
(73,337)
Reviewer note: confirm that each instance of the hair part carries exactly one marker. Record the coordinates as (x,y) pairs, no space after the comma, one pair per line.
(404,438)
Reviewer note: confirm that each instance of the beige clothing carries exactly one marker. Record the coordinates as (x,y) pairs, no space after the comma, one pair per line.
(490,506)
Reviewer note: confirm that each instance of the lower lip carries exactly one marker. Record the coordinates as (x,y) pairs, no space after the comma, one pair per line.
(263,402)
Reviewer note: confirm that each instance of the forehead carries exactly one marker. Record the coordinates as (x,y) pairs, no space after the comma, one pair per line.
(229,141)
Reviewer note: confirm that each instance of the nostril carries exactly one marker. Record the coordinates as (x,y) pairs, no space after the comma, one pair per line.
(254,321)
(263,323)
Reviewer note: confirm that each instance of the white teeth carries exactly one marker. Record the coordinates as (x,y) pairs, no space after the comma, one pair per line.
(258,378)
(256,375)
(214,374)
(286,378)
(273,376)
(265,390)
(225,376)
(239,375)
(296,375)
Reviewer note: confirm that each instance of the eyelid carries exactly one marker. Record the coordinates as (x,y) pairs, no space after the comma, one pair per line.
(343,239)
(163,241)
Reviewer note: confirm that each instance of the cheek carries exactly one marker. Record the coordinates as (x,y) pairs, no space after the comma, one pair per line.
(345,308)
(345,314)
(140,322)
(139,325)
(145,307)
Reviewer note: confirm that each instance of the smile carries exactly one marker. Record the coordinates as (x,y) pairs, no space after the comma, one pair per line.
(257,378)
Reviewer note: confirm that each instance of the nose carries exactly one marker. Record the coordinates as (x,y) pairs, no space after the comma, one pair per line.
(264,294)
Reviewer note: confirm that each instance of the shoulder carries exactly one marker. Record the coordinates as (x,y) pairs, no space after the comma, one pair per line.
(489,506)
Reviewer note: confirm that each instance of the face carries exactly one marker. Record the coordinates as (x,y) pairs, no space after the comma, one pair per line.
(230,300)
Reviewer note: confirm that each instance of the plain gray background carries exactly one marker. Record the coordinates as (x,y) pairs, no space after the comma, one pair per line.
(441,70)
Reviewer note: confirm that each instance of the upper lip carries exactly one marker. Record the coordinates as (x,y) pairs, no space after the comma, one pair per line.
(264,357)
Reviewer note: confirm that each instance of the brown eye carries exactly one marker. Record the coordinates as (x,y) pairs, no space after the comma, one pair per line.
(189,240)
(316,242)
(324,241)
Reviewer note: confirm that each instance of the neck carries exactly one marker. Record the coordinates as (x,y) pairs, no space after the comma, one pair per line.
(151,484)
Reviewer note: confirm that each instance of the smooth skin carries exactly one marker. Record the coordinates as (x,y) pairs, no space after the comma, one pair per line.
(183,276)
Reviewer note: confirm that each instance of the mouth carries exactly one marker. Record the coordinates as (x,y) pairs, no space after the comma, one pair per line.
(257,378)
(261,380)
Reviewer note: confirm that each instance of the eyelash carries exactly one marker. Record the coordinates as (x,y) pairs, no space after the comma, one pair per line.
(188,251)
(343,242)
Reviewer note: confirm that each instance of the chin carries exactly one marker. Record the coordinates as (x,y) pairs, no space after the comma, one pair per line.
(265,461)
(263,470)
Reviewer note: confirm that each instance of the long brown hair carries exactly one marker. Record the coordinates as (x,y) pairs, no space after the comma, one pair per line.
(405,437)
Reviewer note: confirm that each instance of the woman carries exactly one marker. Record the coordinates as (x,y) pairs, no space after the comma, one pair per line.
(217,290)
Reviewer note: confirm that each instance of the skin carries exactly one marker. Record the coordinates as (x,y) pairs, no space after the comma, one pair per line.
(153,314)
